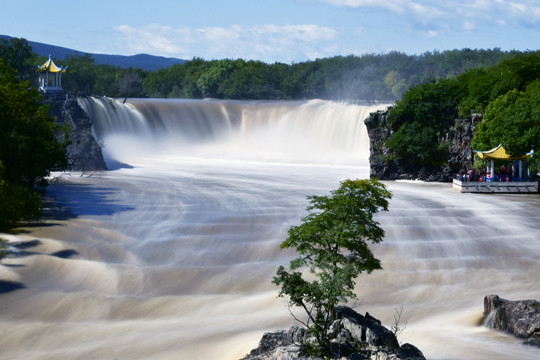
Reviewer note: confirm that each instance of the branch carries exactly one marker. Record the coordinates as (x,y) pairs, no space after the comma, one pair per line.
(297,319)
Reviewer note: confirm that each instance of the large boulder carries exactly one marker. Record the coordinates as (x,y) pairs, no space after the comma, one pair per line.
(520,318)
(353,335)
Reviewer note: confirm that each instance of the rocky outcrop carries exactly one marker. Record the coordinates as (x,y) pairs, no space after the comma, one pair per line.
(353,337)
(84,152)
(384,166)
(520,318)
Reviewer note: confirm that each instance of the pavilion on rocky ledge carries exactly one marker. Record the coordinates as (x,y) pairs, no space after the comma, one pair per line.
(50,76)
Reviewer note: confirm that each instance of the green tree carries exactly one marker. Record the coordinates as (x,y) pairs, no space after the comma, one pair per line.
(81,75)
(512,120)
(30,148)
(333,245)
(130,85)
(17,54)
(425,112)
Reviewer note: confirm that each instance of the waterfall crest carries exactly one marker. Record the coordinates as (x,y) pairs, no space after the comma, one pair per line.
(287,131)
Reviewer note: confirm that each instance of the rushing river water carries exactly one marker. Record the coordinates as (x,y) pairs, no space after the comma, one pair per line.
(171,255)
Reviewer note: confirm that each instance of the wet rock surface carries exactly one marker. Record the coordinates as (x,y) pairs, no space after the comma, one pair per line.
(354,337)
(520,318)
(84,152)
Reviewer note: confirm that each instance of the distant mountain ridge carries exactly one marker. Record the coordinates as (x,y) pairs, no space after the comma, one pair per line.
(143,61)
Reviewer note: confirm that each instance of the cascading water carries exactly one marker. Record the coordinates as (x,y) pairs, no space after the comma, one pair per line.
(288,131)
(172,256)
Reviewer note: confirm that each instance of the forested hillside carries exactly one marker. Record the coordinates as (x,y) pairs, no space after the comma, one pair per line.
(383,77)
(370,77)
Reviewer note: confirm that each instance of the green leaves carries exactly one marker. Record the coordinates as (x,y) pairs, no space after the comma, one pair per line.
(332,242)
(29,148)
(512,120)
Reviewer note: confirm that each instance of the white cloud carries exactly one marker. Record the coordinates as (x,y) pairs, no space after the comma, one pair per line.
(468,25)
(425,12)
(396,6)
(264,42)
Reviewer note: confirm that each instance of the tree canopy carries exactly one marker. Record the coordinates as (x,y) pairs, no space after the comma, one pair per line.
(367,77)
(513,120)
(505,93)
(333,244)
(31,146)
(17,54)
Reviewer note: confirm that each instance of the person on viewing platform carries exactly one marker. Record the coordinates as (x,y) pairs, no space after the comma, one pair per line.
(503,174)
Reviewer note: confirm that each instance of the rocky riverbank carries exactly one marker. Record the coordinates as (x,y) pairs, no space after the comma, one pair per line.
(520,318)
(354,337)
(385,167)
(84,152)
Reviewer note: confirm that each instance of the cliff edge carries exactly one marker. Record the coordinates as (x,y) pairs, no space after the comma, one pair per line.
(84,152)
(384,166)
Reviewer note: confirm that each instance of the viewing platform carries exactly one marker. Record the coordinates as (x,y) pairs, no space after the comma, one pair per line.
(495,186)
(507,180)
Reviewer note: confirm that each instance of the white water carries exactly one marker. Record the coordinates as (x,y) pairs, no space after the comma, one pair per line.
(175,252)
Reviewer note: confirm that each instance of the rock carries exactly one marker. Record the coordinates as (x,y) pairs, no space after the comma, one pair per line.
(280,345)
(409,352)
(355,336)
(366,329)
(84,152)
(520,318)
(384,166)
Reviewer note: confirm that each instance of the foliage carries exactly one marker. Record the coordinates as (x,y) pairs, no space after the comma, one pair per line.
(426,111)
(367,77)
(418,121)
(512,120)
(17,54)
(332,243)
(29,148)
(417,145)
(383,77)
(486,85)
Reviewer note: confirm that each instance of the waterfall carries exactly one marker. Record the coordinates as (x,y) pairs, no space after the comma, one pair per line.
(314,131)
(183,243)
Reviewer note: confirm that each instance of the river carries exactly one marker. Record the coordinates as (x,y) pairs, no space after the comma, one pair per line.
(170,255)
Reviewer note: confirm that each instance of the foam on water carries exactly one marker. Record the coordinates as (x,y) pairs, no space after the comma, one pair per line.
(172,258)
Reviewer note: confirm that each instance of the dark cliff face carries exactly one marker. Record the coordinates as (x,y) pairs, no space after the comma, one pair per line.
(384,166)
(84,152)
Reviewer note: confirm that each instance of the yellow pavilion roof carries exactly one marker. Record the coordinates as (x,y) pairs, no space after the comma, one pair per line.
(498,153)
(50,66)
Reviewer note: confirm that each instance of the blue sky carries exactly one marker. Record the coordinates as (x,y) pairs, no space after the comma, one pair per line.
(274,30)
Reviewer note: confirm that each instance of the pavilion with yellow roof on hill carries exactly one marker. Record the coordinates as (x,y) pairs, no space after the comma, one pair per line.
(50,76)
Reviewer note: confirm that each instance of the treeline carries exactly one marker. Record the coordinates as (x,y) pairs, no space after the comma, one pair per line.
(508,94)
(383,77)
(367,77)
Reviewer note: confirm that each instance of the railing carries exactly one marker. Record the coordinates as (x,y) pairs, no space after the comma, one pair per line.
(495,186)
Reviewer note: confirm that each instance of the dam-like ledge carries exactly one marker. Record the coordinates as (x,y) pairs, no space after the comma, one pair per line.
(495,186)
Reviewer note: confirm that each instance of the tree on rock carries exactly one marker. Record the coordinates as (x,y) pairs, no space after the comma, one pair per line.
(333,245)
